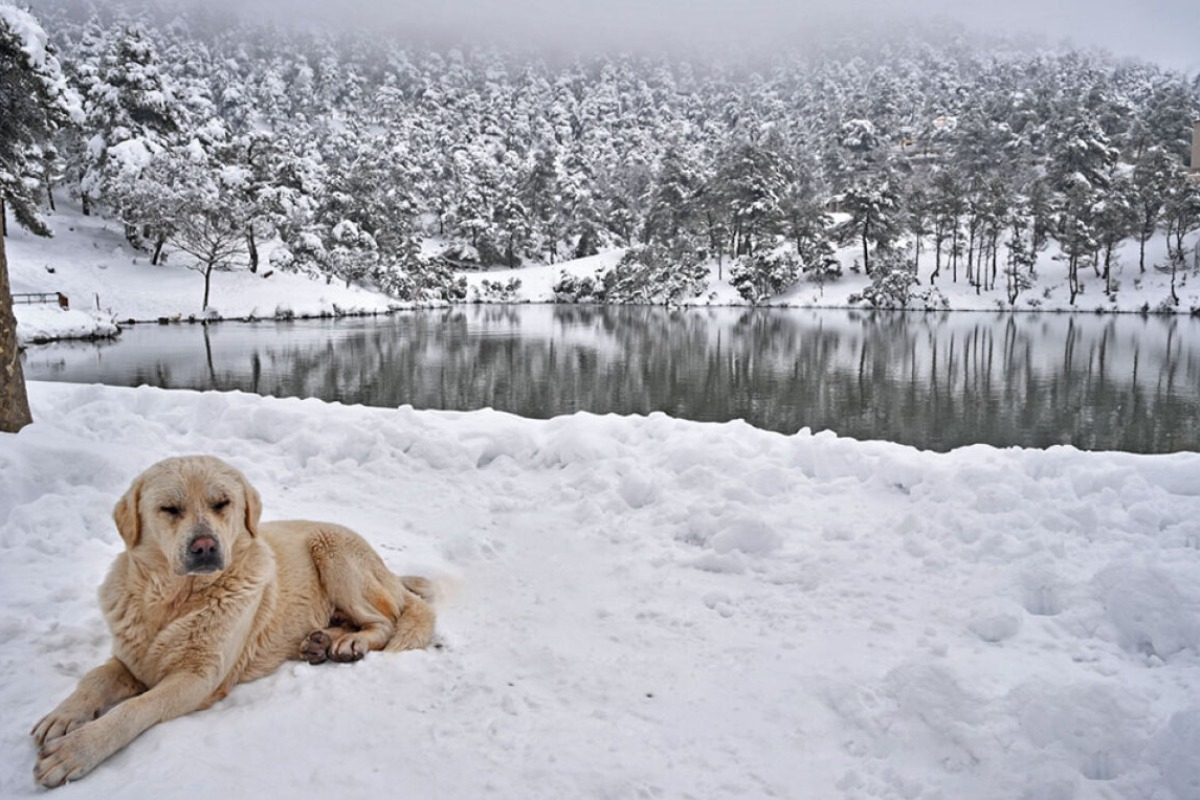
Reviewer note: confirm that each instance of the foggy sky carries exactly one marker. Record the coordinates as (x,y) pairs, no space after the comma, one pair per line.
(1166,32)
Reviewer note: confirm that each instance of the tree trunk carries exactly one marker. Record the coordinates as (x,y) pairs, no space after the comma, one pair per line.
(971,251)
(866,231)
(939,238)
(917,257)
(14,402)
(252,248)
(955,252)
(208,271)
(1108,281)
(156,259)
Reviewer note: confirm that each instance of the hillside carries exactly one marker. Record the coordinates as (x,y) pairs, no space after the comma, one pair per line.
(107,282)
(352,157)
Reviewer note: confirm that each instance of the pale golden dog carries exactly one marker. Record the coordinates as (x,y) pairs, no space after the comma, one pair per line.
(205,597)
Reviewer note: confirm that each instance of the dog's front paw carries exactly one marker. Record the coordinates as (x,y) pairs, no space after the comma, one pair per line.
(62,721)
(68,757)
(315,647)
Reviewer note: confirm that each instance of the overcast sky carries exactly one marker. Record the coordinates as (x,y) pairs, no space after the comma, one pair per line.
(1164,31)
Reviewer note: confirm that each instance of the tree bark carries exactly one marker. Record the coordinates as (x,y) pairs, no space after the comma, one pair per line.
(866,232)
(14,402)
(252,248)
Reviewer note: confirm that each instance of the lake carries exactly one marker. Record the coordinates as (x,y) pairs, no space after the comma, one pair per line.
(936,381)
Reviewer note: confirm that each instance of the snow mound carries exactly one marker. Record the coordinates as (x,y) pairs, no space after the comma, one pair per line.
(48,323)
(645,607)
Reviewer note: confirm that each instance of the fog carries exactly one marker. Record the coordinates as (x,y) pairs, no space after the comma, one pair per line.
(1162,31)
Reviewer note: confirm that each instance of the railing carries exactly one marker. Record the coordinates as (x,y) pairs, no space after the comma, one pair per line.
(36,298)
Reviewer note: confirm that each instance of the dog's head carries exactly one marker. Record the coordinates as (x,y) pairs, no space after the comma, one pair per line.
(192,509)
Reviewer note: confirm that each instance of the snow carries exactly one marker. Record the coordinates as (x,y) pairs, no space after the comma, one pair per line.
(89,260)
(1136,292)
(34,41)
(645,607)
(45,323)
(29,33)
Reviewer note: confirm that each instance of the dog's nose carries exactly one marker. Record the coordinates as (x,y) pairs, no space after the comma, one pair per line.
(203,546)
(203,554)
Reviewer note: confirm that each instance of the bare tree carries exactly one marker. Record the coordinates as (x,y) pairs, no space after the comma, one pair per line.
(215,241)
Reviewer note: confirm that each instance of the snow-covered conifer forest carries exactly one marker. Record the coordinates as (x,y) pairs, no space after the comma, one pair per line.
(375,159)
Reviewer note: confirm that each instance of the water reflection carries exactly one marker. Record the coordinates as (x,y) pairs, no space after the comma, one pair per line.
(938,382)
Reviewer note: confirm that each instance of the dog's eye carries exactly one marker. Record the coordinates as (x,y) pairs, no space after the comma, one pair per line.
(172,511)
(220,506)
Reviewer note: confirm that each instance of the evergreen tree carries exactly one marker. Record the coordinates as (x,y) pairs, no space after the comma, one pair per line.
(873,203)
(131,114)
(1181,216)
(1080,171)
(674,208)
(33,103)
(752,180)
(1151,176)
(1115,219)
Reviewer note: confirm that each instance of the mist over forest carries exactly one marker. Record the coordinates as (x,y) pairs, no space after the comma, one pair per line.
(394,159)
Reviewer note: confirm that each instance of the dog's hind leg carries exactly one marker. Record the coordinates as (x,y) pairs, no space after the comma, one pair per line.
(414,628)
(379,611)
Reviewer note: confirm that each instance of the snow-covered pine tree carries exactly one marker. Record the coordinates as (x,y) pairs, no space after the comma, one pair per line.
(34,102)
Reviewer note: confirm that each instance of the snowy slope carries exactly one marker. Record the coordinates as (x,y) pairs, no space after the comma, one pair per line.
(1136,291)
(646,607)
(90,262)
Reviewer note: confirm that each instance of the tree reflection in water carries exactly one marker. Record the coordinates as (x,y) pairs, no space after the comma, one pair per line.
(934,381)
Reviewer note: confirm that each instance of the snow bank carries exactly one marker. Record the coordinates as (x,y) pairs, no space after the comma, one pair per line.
(646,607)
(45,323)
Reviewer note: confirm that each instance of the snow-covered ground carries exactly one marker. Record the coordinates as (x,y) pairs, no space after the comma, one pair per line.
(1136,292)
(645,607)
(105,280)
(90,262)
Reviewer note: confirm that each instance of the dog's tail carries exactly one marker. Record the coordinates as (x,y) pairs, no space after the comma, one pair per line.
(414,628)
(423,588)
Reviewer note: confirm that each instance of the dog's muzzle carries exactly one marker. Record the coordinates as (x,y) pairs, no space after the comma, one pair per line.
(203,554)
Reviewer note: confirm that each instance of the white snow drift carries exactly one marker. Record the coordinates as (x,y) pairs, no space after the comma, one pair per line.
(646,607)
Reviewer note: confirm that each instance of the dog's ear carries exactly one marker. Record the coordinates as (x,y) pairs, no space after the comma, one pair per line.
(253,507)
(125,514)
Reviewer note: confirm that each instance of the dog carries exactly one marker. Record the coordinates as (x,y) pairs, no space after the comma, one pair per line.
(205,596)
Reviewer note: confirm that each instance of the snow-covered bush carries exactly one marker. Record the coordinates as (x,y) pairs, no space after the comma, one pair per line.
(765,274)
(652,275)
(422,280)
(303,252)
(893,286)
(584,289)
(497,292)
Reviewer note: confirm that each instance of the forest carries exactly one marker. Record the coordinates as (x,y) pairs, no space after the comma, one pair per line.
(399,163)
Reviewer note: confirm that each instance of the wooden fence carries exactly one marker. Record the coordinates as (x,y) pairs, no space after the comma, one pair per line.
(38,298)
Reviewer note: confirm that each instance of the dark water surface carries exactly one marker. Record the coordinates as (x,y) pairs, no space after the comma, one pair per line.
(934,381)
